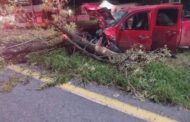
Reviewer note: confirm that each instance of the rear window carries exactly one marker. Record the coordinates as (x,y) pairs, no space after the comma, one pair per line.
(167,17)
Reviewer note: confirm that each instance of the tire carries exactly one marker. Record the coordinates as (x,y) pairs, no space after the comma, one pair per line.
(114,48)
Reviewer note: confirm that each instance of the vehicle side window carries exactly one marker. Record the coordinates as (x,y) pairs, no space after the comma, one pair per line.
(167,17)
(137,21)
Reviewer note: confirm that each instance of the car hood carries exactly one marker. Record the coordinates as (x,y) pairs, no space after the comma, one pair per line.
(90,6)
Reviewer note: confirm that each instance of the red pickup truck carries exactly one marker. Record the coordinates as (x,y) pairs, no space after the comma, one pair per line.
(92,8)
(152,26)
(104,12)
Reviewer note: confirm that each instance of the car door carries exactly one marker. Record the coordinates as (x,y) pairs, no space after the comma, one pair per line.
(135,30)
(167,29)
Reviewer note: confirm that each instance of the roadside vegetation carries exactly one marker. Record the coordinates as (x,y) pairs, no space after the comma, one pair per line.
(8,85)
(161,81)
(151,75)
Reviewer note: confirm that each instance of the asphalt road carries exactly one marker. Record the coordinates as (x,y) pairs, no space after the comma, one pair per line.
(27,104)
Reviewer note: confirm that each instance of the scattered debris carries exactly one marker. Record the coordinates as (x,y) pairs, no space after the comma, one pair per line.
(116,95)
(133,60)
(19,43)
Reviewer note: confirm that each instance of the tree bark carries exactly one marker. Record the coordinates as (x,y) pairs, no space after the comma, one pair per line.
(85,43)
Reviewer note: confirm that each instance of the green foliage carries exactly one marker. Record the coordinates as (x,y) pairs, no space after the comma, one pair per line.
(156,80)
(76,65)
(163,83)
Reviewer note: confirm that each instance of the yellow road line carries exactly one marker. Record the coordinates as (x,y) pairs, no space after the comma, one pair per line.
(100,99)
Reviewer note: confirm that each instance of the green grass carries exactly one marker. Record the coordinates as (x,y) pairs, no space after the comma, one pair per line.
(86,68)
(157,81)
(164,84)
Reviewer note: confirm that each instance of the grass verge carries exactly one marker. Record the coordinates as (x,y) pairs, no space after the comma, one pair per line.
(158,81)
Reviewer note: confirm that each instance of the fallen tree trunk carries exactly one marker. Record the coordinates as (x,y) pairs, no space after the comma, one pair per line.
(38,43)
(85,43)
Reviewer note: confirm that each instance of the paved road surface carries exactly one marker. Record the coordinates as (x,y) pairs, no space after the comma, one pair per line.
(26,104)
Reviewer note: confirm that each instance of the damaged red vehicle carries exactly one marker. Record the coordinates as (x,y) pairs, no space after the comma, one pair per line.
(93,8)
(104,12)
(152,26)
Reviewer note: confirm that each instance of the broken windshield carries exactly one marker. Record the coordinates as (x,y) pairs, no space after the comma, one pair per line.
(117,17)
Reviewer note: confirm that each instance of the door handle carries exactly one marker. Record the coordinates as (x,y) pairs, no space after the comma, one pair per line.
(143,37)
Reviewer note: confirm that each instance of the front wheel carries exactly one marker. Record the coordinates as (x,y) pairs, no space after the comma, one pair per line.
(114,48)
